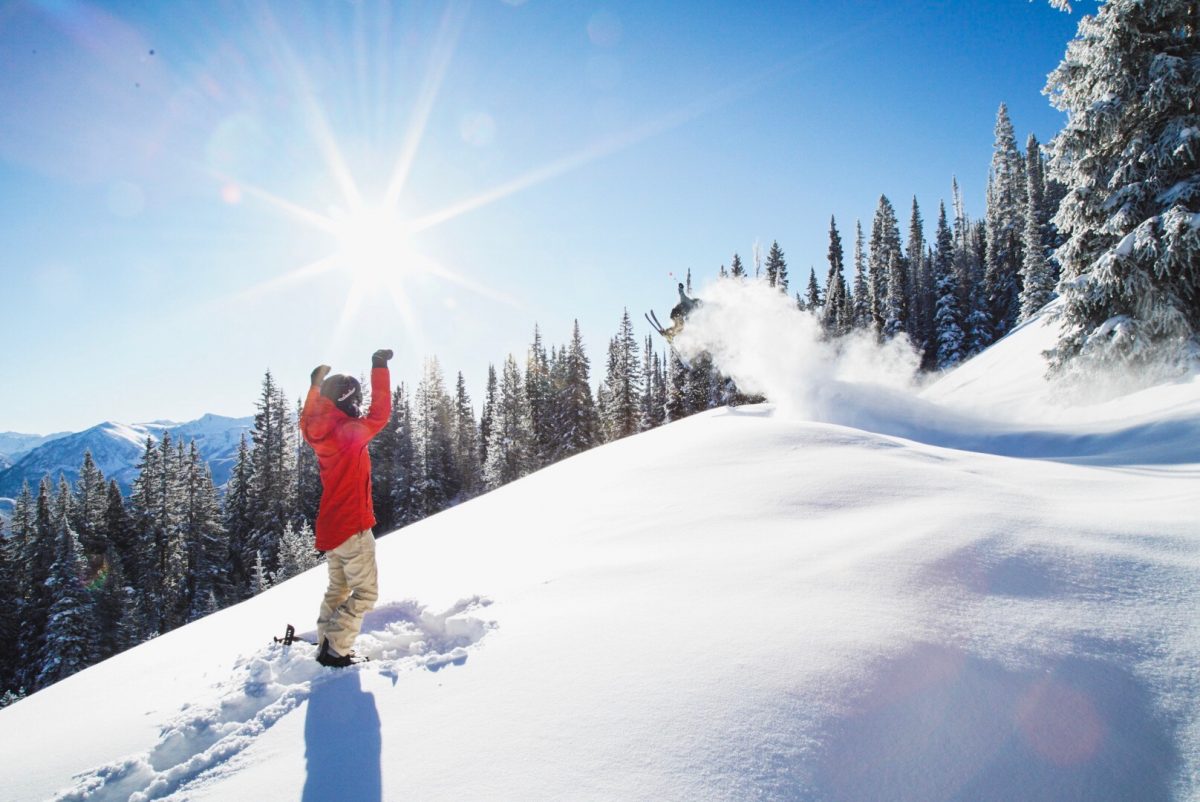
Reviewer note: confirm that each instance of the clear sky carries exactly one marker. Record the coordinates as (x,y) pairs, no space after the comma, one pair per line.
(194,192)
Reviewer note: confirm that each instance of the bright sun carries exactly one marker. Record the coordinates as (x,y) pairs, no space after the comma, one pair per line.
(374,246)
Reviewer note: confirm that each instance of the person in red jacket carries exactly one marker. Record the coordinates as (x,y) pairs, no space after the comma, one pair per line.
(332,424)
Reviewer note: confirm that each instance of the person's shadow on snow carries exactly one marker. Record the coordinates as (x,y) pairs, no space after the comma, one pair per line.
(342,742)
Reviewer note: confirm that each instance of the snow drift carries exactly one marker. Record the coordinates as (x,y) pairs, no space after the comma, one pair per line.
(904,596)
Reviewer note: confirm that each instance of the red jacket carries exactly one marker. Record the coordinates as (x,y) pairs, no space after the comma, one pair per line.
(340,442)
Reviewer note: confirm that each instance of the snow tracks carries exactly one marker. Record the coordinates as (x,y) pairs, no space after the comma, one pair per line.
(271,683)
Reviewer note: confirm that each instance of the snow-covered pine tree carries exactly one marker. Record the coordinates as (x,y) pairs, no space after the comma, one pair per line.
(206,543)
(87,511)
(1037,274)
(835,288)
(577,423)
(296,552)
(623,381)
(646,409)
(487,413)
(68,644)
(1006,204)
(437,476)
(538,393)
(40,550)
(861,302)
(658,401)
(776,266)
(465,441)
(814,301)
(897,297)
(947,316)
(511,441)
(677,402)
(920,287)
(703,384)
(11,602)
(119,532)
(884,243)
(408,502)
(272,485)
(736,270)
(1130,158)
(239,521)
(260,578)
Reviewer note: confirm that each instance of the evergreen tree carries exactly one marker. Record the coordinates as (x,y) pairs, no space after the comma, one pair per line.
(260,578)
(577,423)
(487,413)
(948,316)
(511,441)
(465,445)
(920,283)
(119,531)
(40,553)
(11,602)
(884,245)
(239,520)
(116,625)
(538,394)
(1129,159)
(677,400)
(735,268)
(623,383)
(272,488)
(436,475)
(777,268)
(69,637)
(897,298)
(813,300)
(1005,229)
(861,302)
(91,499)
(296,552)
(1037,275)
(833,317)
(205,540)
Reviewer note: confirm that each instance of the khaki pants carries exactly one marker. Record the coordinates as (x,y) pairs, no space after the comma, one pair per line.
(353,589)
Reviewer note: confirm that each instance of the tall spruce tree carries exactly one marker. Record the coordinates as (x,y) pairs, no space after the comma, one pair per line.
(949,339)
(437,476)
(11,603)
(69,639)
(510,445)
(239,519)
(833,315)
(1129,158)
(623,382)
(1037,274)
(884,245)
(273,490)
(538,393)
(861,302)
(777,274)
(575,410)
(487,414)
(465,441)
(1006,203)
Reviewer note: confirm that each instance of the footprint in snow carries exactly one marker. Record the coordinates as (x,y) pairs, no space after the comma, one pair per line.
(269,684)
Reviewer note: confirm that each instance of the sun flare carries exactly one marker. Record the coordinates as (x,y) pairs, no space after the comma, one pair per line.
(375,246)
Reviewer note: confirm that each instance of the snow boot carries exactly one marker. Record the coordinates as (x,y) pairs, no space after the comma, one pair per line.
(330,659)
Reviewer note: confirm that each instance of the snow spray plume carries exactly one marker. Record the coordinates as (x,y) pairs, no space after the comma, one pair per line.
(759,337)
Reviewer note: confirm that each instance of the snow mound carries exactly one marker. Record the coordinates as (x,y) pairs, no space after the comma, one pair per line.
(199,742)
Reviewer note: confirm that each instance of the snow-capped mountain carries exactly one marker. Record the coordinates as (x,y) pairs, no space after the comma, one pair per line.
(14,445)
(741,605)
(118,447)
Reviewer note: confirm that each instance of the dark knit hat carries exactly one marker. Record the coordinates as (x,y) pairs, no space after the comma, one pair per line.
(344,392)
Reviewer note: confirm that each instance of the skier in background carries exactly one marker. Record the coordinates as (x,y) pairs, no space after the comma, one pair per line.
(333,425)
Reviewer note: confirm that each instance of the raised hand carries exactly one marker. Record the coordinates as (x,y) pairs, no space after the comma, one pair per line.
(380,358)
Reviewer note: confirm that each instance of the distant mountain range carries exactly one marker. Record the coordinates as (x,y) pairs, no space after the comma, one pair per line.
(117,449)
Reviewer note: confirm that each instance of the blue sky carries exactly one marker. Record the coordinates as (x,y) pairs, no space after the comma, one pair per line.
(168,170)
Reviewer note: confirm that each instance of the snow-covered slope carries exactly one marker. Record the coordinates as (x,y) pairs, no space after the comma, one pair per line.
(740,605)
(118,447)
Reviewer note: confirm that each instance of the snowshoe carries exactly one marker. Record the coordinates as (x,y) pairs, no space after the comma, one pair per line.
(327,657)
